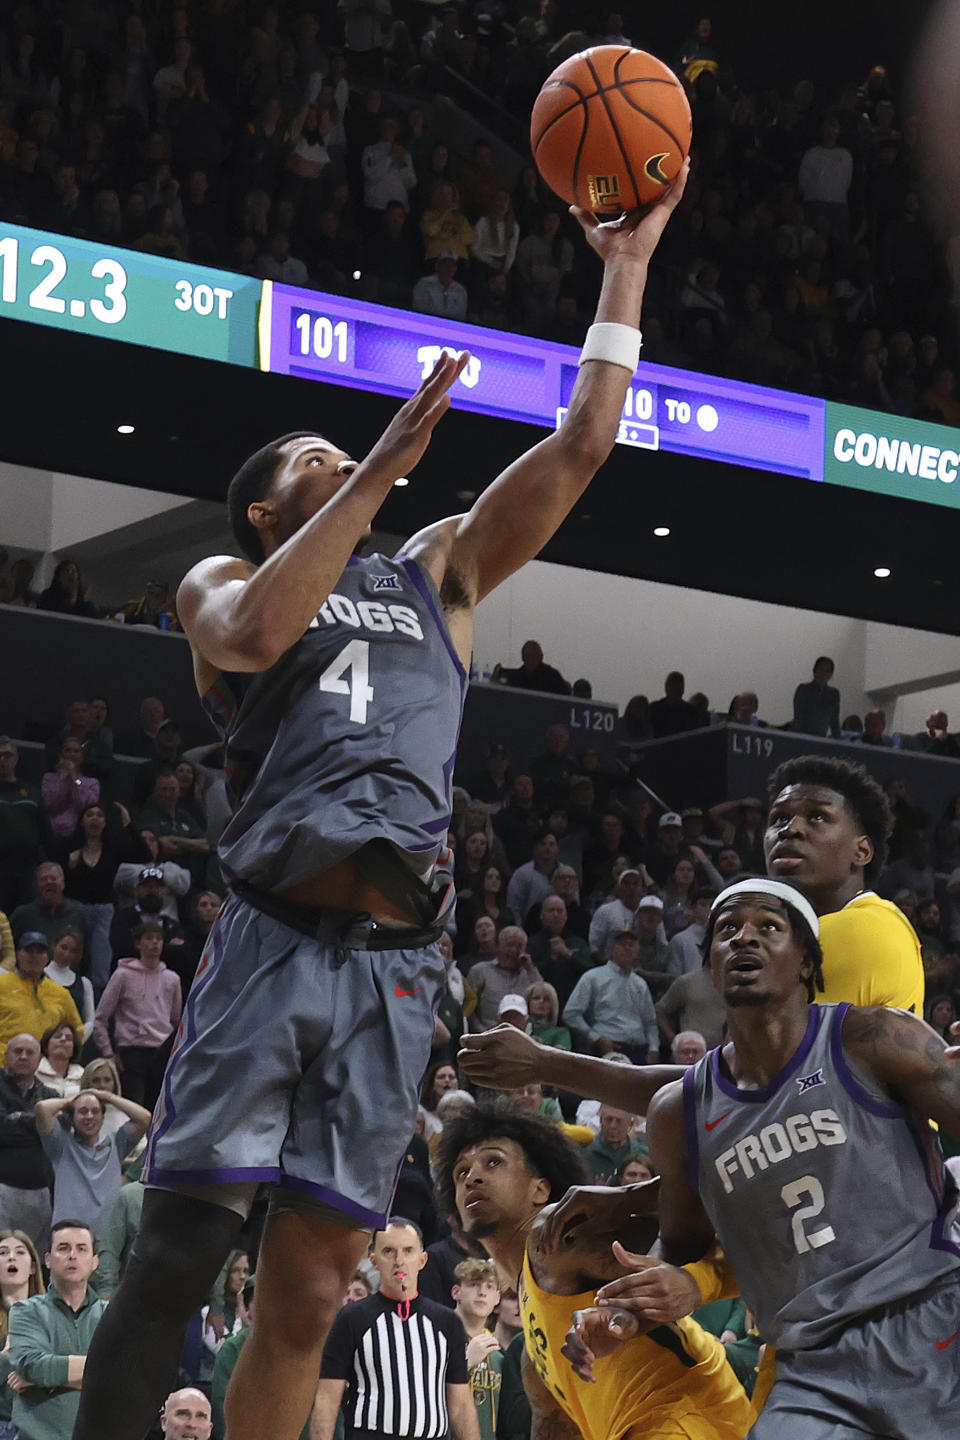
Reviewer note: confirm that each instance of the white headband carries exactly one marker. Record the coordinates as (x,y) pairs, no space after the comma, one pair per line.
(776,888)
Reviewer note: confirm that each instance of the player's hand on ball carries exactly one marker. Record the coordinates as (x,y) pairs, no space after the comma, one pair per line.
(654,1292)
(636,235)
(407,436)
(594,1334)
(503,1058)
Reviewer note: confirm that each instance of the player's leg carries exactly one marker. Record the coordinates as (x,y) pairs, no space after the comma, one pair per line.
(303,1269)
(353,1114)
(133,1360)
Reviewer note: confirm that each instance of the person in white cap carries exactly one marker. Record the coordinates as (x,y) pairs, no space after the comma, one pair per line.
(616,915)
(669,848)
(513,1010)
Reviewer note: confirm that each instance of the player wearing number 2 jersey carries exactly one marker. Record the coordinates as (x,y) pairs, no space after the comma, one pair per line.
(804,1145)
(338,685)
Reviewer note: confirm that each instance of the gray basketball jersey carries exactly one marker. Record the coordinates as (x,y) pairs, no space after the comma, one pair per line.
(350,737)
(828,1199)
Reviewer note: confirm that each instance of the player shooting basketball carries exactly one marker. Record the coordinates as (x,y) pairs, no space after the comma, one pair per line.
(337,684)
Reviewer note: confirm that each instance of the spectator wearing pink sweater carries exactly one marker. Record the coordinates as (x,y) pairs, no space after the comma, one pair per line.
(66,791)
(143,998)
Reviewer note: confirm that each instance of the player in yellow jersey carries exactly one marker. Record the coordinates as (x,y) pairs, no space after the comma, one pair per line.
(827,834)
(500,1170)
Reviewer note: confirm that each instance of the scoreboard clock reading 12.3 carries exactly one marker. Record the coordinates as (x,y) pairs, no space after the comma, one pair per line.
(92,289)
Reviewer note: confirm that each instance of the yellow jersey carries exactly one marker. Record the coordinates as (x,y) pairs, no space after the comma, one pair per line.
(648,1384)
(871,955)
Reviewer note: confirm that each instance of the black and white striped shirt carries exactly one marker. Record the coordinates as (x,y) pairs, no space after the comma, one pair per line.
(397,1357)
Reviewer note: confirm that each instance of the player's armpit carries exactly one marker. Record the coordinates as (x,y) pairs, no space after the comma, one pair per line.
(548,1420)
(908,1059)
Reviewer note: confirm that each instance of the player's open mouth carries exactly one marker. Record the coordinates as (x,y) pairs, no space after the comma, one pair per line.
(745,965)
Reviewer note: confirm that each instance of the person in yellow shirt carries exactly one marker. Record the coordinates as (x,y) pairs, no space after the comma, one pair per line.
(827,834)
(499,1171)
(31,1003)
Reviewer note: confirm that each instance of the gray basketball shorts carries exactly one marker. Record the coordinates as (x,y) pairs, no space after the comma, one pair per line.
(297,1062)
(893,1373)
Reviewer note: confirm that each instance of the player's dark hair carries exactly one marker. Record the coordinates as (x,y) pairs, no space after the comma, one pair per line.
(801,931)
(549,1154)
(867,802)
(251,483)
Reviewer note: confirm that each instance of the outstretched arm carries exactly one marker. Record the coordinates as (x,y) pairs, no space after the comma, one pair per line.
(242,617)
(516,516)
(908,1059)
(505,1058)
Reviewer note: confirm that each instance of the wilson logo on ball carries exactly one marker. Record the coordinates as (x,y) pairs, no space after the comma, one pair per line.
(653,169)
(603,190)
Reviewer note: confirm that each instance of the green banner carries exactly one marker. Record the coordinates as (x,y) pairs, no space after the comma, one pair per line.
(92,289)
(888,455)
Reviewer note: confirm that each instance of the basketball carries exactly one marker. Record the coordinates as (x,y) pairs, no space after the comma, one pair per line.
(610,129)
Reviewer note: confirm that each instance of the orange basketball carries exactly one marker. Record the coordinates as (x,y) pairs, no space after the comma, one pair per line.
(610,129)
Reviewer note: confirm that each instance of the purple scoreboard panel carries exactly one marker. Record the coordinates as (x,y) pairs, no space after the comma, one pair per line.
(370,347)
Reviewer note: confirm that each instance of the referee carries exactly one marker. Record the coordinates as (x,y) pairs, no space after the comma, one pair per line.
(401,1359)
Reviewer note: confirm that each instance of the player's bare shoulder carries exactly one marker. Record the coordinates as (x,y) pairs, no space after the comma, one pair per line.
(204,602)
(206,577)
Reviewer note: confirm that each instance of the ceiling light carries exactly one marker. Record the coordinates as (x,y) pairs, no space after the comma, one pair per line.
(661,531)
(125,429)
(882,572)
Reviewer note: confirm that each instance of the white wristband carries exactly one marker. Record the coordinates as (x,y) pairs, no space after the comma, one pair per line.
(618,344)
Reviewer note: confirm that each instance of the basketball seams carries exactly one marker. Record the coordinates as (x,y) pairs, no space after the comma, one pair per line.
(615,131)
(583,100)
(580,100)
(579,154)
(621,133)
(655,120)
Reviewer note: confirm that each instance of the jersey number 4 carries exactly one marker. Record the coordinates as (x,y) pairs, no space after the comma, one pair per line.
(807,1188)
(355,658)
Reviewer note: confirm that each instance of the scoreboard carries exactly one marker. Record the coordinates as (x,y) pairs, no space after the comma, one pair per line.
(78,285)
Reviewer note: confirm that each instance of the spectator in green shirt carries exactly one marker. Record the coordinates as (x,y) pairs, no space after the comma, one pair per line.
(477,1295)
(543,1004)
(613,1146)
(49,1336)
(180,836)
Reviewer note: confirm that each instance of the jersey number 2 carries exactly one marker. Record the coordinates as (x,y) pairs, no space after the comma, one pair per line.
(354,657)
(808,1187)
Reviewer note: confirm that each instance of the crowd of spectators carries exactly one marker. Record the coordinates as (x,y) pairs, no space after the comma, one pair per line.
(378,148)
(581,907)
